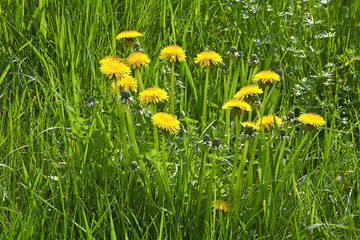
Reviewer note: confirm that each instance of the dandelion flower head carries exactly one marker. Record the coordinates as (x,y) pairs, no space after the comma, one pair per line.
(221,205)
(207,58)
(111,58)
(167,122)
(114,67)
(137,60)
(267,122)
(254,125)
(312,119)
(153,95)
(131,34)
(125,83)
(236,104)
(248,91)
(173,53)
(267,77)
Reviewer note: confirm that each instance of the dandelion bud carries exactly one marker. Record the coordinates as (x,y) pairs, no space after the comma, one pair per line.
(290,115)
(134,165)
(125,94)
(233,49)
(253,57)
(233,53)
(282,132)
(248,130)
(254,60)
(215,143)
(254,98)
(280,72)
(206,138)
(137,47)
(224,68)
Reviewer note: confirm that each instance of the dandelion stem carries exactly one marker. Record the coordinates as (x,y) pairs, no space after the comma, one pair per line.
(239,180)
(138,78)
(205,99)
(156,138)
(102,126)
(172,95)
(120,113)
(163,158)
(236,152)
(226,98)
(131,129)
(263,105)
(201,182)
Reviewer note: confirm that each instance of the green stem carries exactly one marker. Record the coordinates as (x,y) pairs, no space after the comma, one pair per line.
(239,180)
(138,78)
(236,150)
(172,92)
(102,126)
(205,99)
(120,111)
(156,138)
(201,182)
(227,113)
(228,81)
(212,179)
(165,173)
(131,129)
(263,105)
(225,98)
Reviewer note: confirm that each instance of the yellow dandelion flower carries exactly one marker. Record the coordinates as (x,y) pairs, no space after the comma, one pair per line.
(128,83)
(114,67)
(207,58)
(153,95)
(312,119)
(221,205)
(110,59)
(235,104)
(255,126)
(268,122)
(128,35)
(248,91)
(267,77)
(173,53)
(137,60)
(167,122)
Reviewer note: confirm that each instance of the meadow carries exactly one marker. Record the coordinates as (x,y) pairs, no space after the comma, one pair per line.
(85,156)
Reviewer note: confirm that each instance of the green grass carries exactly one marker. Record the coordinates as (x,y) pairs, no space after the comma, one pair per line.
(64,174)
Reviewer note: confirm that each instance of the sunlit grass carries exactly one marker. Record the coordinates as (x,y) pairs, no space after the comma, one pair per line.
(80,159)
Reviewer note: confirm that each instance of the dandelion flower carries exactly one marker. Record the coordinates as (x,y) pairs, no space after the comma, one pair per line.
(167,122)
(267,77)
(248,91)
(221,205)
(111,58)
(207,58)
(128,35)
(153,95)
(312,119)
(114,67)
(173,53)
(237,104)
(125,83)
(255,126)
(268,122)
(137,60)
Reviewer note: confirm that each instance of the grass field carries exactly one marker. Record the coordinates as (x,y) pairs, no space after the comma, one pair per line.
(77,163)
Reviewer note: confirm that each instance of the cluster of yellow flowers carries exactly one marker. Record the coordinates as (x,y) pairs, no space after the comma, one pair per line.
(118,69)
(244,96)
